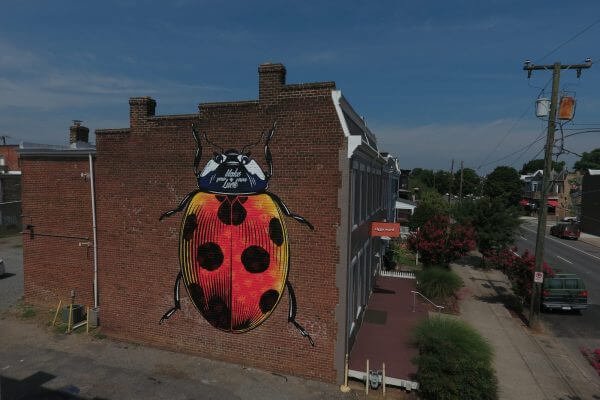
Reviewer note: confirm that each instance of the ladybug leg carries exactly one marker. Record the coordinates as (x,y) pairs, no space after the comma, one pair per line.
(177,306)
(292,314)
(288,213)
(181,205)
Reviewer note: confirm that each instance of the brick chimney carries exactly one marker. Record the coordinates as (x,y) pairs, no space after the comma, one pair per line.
(271,78)
(78,133)
(140,108)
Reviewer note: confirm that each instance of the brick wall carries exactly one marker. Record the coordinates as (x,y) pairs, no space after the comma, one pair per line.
(11,156)
(56,201)
(147,169)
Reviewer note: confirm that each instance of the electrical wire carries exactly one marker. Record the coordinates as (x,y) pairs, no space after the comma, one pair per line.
(581,32)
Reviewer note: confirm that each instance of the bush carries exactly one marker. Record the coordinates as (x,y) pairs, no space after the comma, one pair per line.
(454,362)
(518,269)
(438,283)
(439,242)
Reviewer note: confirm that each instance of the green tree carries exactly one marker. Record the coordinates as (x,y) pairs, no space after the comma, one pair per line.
(494,223)
(442,181)
(504,183)
(535,165)
(589,160)
(471,182)
(421,178)
(431,203)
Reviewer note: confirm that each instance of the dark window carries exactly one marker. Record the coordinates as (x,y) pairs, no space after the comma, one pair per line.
(571,283)
(356,189)
(555,283)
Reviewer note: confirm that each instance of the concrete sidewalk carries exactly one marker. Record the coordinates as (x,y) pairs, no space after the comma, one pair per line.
(528,366)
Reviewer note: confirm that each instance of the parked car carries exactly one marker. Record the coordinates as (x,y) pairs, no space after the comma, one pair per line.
(570,219)
(571,231)
(564,292)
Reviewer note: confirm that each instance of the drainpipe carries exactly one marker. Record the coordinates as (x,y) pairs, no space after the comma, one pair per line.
(94,229)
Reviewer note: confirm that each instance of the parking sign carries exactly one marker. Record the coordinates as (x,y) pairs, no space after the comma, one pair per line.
(538,277)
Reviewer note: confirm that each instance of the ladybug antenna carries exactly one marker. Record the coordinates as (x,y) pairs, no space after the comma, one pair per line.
(198,149)
(268,157)
(213,144)
(253,144)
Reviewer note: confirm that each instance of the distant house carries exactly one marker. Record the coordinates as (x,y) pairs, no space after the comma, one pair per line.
(590,202)
(559,201)
(10,189)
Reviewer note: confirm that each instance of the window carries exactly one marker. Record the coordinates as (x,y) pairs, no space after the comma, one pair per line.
(356,192)
(363,195)
(571,284)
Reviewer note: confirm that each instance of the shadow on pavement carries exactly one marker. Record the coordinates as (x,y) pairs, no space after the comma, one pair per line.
(31,388)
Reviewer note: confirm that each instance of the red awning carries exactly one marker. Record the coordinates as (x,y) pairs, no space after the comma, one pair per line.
(524,202)
(553,203)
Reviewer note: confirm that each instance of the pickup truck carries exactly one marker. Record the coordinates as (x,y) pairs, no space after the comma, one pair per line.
(564,292)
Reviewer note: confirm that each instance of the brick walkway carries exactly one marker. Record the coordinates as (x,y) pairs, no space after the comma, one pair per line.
(385,334)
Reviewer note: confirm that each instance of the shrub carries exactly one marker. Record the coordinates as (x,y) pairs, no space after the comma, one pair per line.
(454,362)
(437,283)
(439,242)
(518,269)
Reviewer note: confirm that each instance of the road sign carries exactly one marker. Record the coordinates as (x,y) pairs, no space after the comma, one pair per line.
(538,277)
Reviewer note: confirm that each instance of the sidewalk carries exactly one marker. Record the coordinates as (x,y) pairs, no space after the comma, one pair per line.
(38,364)
(528,366)
(590,239)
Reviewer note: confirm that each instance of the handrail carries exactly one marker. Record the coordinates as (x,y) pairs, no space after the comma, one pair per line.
(414,292)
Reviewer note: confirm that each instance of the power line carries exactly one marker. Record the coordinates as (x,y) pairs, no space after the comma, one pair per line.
(581,32)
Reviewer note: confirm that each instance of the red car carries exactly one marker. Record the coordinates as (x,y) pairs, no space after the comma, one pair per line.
(566,231)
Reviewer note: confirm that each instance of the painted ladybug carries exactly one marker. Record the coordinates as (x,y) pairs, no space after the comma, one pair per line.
(233,242)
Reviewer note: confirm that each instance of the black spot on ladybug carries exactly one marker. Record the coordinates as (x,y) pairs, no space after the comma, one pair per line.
(255,259)
(220,198)
(231,214)
(242,326)
(209,256)
(189,226)
(276,231)
(242,199)
(197,294)
(268,300)
(217,313)
(238,213)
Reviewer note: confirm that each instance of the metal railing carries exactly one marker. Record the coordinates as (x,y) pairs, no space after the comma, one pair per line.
(415,293)
(398,274)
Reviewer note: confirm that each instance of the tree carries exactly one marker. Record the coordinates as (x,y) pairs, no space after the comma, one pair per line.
(471,182)
(535,165)
(494,224)
(589,160)
(421,178)
(504,183)
(439,242)
(431,203)
(442,181)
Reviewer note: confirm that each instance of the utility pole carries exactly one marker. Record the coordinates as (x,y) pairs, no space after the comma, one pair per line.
(451,181)
(534,308)
(461,181)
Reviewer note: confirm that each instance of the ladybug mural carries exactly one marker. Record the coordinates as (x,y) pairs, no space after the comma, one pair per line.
(234,250)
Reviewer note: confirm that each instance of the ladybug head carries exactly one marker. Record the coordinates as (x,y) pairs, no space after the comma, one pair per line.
(232,172)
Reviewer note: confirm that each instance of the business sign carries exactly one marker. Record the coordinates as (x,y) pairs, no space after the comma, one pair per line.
(538,277)
(388,229)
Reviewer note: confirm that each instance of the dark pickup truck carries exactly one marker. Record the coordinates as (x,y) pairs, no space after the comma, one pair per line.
(564,292)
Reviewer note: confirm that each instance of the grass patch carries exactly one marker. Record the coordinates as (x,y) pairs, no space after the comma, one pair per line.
(438,283)
(454,362)
(28,312)
(100,335)
(60,328)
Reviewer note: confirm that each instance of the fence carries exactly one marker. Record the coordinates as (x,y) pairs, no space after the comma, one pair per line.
(398,274)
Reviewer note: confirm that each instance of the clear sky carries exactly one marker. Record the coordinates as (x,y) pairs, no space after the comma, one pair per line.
(435,80)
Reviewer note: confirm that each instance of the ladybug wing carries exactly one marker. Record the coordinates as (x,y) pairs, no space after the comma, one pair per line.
(259,262)
(205,259)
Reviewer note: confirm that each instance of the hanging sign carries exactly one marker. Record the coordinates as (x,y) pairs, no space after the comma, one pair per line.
(538,277)
(388,229)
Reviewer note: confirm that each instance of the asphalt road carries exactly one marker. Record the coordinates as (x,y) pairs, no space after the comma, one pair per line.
(11,283)
(576,329)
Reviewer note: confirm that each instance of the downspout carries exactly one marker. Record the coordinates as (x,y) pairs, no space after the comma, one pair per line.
(94,229)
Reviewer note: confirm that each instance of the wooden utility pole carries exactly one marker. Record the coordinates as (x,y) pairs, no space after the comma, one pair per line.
(451,181)
(461,182)
(534,308)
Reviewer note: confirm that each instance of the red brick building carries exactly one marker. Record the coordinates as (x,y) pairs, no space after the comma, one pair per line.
(326,168)
(10,189)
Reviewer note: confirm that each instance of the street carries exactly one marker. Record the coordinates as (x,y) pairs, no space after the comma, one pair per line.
(11,283)
(576,330)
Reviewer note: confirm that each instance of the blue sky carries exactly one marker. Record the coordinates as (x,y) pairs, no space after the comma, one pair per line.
(435,80)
